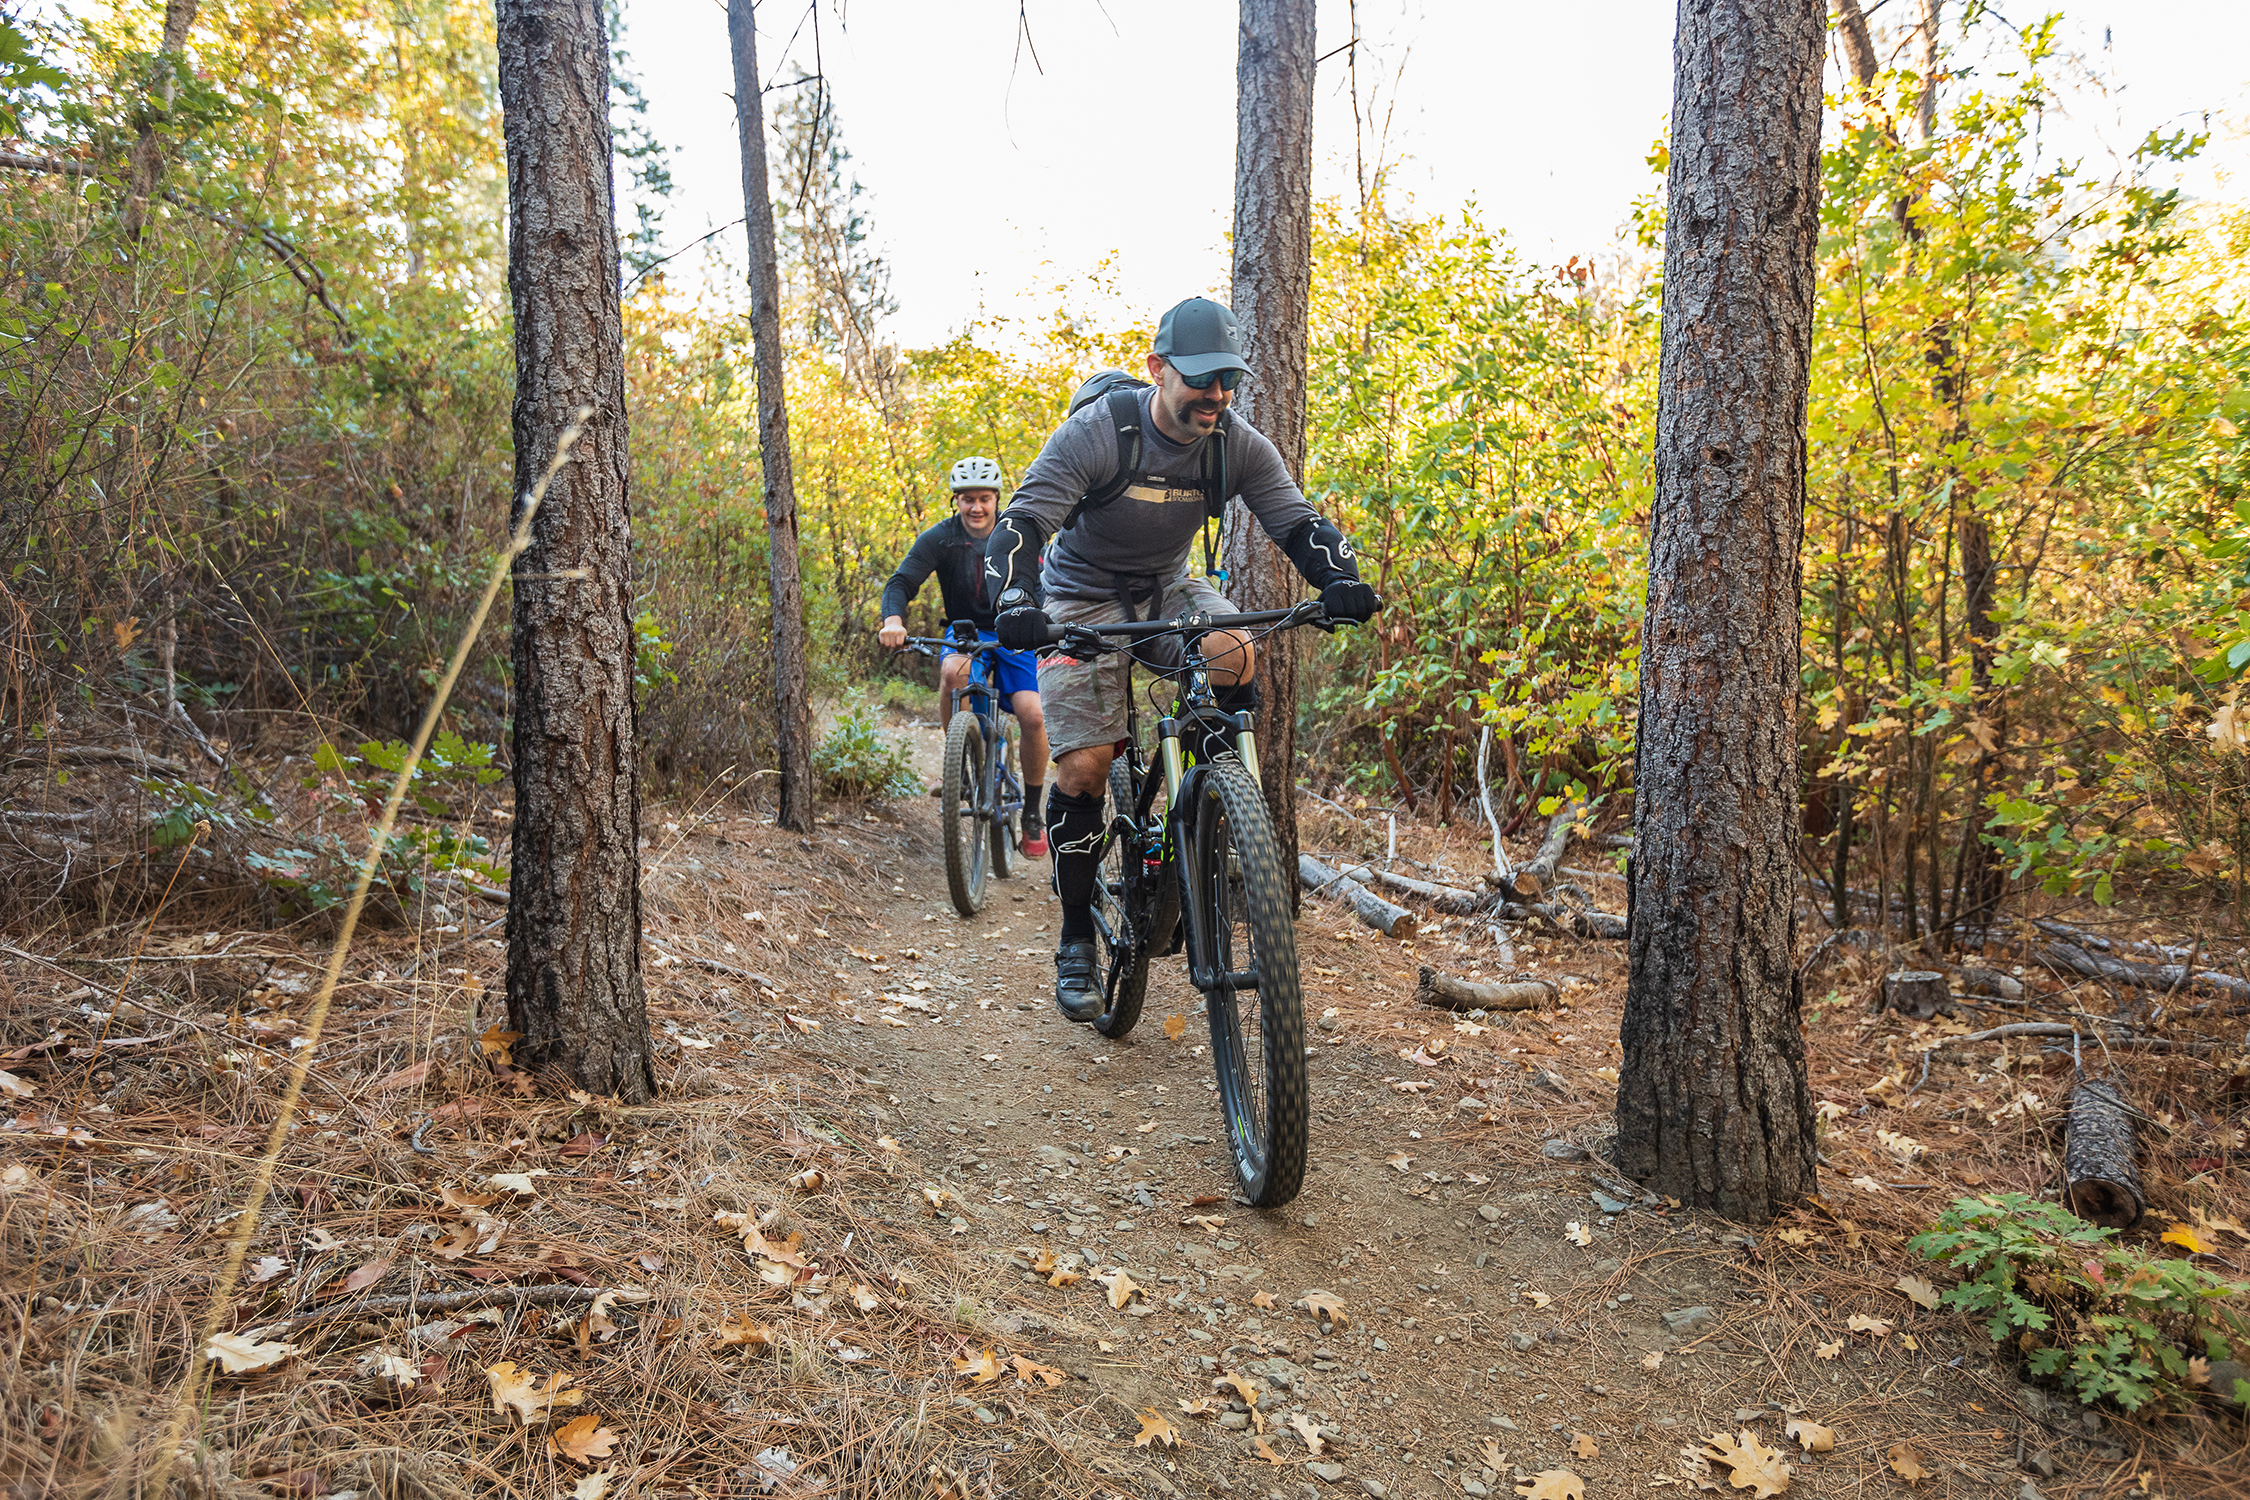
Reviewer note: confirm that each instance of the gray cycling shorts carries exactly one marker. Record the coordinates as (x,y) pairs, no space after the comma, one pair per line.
(1085,700)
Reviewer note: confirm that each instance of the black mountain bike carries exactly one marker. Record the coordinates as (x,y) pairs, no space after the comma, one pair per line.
(1194,837)
(981,802)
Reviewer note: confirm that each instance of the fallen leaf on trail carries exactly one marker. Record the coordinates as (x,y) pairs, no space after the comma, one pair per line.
(1578,1234)
(1494,1456)
(1918,1291)
(1537,1299)
(1904,1147)
(1755,1467)
(937,1196)
(1829,1351)
(1862,1323)
(594,1486)
(241,1356)
(2199,1370)
(983,1369)
(784,1251)
(1402,1161)
(1264,1450)
(1553,1484)
(891,1020)
(1867,1184)
(585,1143)
(363,1278)
(379,1365)
(462,1199)
(865,1297)
(1906,1463)
(1175,1026)
(736,1330)
(496,1041)
(1582,1446)
(531,1399)
(1210,1223)
(1264,1299)
(1326,1306)
(1042,1259)
(1829,1110)
(807,1181)
(1116,1154)
(2219,1223)
(474,1237)
(1154,1429)
(2186,1238)
(1064,1276)
(1306,1428)
(1030,1370)
(1242,1387)
(1205,1200)
(519,1183)
(1814,1437)
(412,1077)
(582,1440)
(1121,1286)
(267,1267)
(1202,1406)
(1145,1127)
(1906,1340)
(885,1143)
(11,1084)
(1652,1359)
(1793,1236)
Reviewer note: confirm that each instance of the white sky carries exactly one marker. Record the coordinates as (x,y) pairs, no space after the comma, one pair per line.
(992,179)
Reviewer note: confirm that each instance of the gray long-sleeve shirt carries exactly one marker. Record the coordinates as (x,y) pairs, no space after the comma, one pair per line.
(1148,532)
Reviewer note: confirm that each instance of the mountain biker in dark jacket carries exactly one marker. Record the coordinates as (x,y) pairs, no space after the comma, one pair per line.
(954,550)
(1135,547)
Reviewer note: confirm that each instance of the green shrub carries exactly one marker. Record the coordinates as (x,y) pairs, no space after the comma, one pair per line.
(855,760)
(2107,1321)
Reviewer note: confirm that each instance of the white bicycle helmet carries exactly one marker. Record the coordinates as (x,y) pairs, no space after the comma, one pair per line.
(975,474)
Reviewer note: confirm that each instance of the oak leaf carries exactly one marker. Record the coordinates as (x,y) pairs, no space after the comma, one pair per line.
(525,1394)
(1578,1234)
(1553,1484)
(363,1278)
(1242,1387)
(865,1297)
(1536,1299)
(1174,1026)
(594,1486)
(1906,1463)
(737,1331)
(983,1368)
(1828,1351)
(1918,1291)
(1582,1446)
(2186,1238)
(1263,1299)
(1652,1359)
(1814,1437)
(1306,1428)
(1202,1406)
(582,1440)
(1264,1450)
(1326,1306)
(1029,1371)
(1862,1323)
(1154,1429)
(382,1365)
(238,1355)
(1121,1286)
(1754,1466)
(1208,1223)
(1494,1456)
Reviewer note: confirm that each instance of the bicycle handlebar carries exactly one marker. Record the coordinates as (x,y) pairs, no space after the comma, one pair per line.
(1094,637)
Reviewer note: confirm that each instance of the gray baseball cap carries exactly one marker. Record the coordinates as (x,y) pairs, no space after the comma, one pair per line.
(1200,336)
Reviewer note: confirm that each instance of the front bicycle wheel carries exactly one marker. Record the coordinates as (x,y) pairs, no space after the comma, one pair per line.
(1000,788)
(1247,949)
(1127,951)
(961,808)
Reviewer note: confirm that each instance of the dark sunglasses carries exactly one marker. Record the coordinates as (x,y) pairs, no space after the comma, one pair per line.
(1227,379)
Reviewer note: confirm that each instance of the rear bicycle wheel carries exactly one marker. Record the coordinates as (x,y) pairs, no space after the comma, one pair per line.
(966,822)
(1000,786)
(1257,1009)
(1127,951)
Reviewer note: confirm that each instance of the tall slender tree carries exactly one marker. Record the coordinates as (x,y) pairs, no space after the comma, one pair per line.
(574,888)
(1272,296)
(1713,1105)
(792,705)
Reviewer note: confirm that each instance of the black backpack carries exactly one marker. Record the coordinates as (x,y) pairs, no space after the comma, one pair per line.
(1123,393)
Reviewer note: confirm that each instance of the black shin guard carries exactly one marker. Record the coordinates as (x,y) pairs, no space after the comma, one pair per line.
(1074,834)
(1239,698)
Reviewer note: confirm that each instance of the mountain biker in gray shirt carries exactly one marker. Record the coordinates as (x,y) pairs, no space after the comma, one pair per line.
(1131,552)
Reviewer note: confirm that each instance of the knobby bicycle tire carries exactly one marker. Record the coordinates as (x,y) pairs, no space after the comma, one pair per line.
(1117,868)
(1001,834)
(1260,1057)
(968,827)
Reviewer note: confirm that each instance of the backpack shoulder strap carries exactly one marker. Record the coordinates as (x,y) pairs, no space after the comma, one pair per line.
(1125,417)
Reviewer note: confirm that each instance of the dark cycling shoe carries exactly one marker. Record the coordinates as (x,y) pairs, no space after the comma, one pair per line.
(1077,995)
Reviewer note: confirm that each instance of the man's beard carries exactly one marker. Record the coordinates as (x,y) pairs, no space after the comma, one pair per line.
(1190,412)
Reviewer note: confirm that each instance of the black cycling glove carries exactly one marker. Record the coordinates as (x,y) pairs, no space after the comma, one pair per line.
(1023,628)
(1349,599)
(1326,559)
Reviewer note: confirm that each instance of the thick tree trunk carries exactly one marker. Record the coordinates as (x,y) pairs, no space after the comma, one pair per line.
(1272,295)
(574,889)
(1713,1106)
(791,700)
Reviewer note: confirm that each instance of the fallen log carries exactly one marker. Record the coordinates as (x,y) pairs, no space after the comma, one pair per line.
(1917,994)
(1534,879)
(2060,1029)
(1448,993)
(2069,958)
(1582,922)
(1992,982)
(2101,1183)
(1442,897)
(97,755)
(1389,920)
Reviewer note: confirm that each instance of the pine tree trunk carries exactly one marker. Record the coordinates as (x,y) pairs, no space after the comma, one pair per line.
(1713,1106)
(791,701)
(1272,299)
(574,889)
(145,162)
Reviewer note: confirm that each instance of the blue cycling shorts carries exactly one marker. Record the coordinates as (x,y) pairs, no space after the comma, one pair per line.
(1013,672)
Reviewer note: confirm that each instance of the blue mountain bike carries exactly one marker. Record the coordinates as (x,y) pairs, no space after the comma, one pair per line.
(981,793)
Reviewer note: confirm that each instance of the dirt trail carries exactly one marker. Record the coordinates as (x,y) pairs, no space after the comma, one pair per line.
(1479,1337)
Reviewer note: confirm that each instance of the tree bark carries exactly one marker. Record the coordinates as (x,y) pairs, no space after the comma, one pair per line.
(1273,300)
(1713,1106)
(2103,1183)
(574,890)
(145,162)
(791,698)
(1449,993)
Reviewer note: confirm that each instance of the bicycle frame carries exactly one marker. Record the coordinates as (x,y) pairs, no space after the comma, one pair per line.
(980,696)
